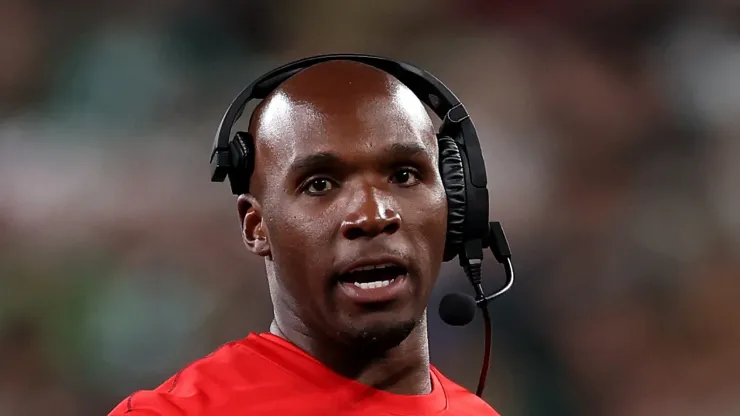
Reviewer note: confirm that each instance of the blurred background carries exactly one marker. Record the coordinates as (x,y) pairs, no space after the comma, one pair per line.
(610,131)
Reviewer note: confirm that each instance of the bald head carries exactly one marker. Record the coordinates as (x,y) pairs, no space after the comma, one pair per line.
(340,89)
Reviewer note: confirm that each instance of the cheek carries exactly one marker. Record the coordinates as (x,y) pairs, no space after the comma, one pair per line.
(432,224)
(297,250)
(439,227)
(437,207)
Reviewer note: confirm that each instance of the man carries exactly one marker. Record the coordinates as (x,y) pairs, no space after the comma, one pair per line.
(349,212)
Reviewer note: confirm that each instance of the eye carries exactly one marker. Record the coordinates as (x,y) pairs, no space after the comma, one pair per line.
(405,176)
(318,186)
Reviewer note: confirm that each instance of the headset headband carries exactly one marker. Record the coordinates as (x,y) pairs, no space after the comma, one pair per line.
(427,88)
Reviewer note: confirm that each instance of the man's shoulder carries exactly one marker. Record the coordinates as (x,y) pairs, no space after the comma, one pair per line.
(462,401)
(205,384)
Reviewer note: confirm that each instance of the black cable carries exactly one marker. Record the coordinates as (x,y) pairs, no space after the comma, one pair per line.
(486,352)
(473,270)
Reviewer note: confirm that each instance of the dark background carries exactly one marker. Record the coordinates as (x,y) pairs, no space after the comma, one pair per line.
(610,131)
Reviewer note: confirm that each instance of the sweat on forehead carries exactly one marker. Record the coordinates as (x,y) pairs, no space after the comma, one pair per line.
(339,98)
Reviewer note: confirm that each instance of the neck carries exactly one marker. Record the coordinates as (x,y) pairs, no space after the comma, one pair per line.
(403,369)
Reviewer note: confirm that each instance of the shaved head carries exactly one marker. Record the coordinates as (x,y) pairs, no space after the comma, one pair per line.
(364,91)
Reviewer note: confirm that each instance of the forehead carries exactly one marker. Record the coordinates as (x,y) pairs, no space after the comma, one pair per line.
(290,128)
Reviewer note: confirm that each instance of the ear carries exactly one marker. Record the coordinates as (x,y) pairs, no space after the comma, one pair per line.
(254,231)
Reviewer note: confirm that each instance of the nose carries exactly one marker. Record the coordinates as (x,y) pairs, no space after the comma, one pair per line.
(370,214)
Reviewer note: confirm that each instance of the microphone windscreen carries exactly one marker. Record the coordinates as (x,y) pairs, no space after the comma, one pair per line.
(457,309)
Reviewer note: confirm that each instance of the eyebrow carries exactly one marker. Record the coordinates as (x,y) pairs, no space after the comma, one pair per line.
(400,150)
(313,162)
(323,160)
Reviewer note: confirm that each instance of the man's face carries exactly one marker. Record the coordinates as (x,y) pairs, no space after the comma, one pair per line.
(350,184)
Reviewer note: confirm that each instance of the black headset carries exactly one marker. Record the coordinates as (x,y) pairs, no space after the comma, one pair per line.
(461,166)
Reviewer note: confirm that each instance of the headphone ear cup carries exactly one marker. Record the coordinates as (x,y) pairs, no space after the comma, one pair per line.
(453,178)
(241,152)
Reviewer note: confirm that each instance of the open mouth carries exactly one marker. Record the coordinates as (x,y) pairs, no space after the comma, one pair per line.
(373,277)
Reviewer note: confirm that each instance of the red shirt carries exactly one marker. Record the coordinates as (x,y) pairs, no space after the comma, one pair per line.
(266,375)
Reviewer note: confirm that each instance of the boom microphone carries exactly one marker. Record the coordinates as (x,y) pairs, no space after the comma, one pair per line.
(457,309)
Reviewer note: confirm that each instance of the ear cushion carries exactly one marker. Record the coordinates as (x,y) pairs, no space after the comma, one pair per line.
(453,178)
(242,162)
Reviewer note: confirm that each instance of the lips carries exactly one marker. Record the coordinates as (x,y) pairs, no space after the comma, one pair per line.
(373,276)
(368,261)
(371,281)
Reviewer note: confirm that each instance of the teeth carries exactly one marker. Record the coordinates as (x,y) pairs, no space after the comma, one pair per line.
(373,285)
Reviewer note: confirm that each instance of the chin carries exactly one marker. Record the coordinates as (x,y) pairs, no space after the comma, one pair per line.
(379,336)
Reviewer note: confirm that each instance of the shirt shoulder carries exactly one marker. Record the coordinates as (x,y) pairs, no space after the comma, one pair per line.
(212,385)
(461,401)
